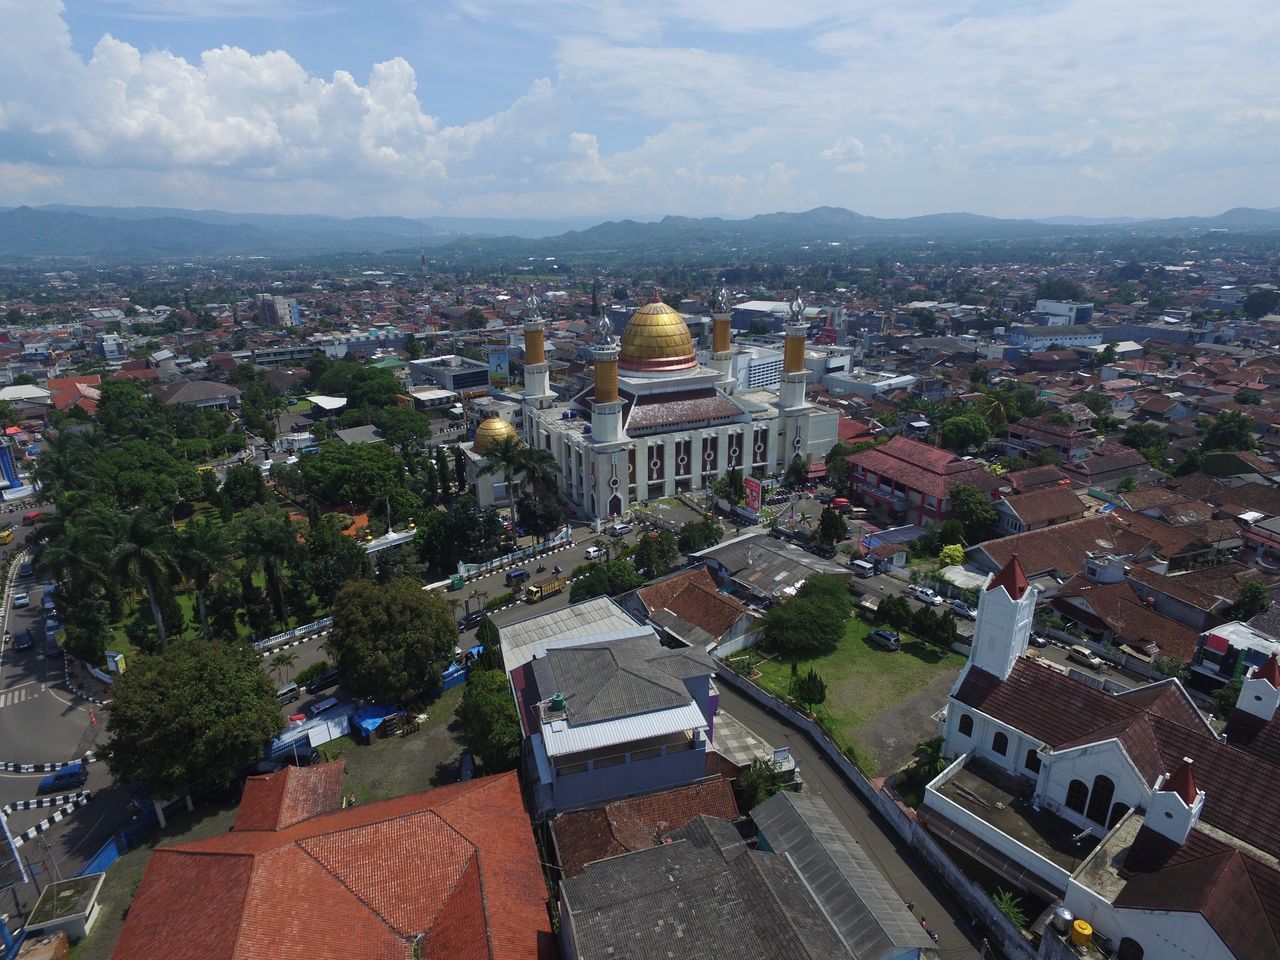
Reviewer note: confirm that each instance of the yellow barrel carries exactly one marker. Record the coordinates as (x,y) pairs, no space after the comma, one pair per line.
(1082,933)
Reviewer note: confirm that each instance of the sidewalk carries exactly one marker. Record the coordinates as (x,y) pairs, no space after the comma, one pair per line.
(84,682)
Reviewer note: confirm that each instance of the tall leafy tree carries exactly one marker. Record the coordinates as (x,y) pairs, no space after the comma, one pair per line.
(269,542)
(332,559)
(390,642)
(974,509)
(506,457)
(190,717)
(203,550)
(490,725)
(145,556)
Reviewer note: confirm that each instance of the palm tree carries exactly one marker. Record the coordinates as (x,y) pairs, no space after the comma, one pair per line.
(268,540)
(603,546)
(203,548)
(997,408)
(539,469)
(283,661)
(145,556)
(506,456)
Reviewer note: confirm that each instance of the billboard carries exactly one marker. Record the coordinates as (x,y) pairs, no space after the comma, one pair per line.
(754,493)
(499,364)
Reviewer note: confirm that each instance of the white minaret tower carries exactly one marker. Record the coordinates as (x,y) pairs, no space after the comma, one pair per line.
(1006,612)
(537,376)
(722,342)
(793,372)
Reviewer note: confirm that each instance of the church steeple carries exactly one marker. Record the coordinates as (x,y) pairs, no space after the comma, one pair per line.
(1006,612)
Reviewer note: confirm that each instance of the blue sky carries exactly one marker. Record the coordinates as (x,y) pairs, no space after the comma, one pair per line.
(642,107)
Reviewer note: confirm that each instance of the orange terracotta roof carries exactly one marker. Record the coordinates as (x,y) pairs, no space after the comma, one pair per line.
(1012,578)
(456,867)
(1183,783)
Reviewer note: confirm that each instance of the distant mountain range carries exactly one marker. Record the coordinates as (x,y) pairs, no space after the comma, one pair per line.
(120,233)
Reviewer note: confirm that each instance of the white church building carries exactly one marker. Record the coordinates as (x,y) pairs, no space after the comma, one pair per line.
(1127,808)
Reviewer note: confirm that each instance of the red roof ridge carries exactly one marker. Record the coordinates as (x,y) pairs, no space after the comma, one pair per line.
(1012,578)
(1183,783)
(1270,672)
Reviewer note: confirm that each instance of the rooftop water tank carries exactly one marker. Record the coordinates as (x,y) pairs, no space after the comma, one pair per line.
(557,702)
(1081,933)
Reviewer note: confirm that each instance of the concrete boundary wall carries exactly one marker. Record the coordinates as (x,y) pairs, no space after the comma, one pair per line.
(972,898)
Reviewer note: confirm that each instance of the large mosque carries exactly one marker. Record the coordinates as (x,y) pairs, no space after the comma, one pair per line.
(656,423)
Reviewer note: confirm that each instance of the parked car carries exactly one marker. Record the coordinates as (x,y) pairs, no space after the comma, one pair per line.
(620,529)
(51,646)
(963,610)
(70,777)
(1079,653)
(323,681)
(885,638)
(1039,640)
(593,552)
(471,620)
(926,595)
(288,693)
(22,640)
(25,568)
(21,600)
(517,576)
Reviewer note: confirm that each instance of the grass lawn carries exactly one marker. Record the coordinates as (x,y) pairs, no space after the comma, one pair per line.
(864,681)
(388,768)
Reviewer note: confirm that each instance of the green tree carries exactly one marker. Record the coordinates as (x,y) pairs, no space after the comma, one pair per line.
(811,623)
(952,555)
(1254,598)
(1225,697)
(269,542)
(1059,288)
(390,642)
(1173,667)
(539,516)
(487,636)
(895,611)
(655,553)
(203,550)
(1258,303)
(808,689)
(797,472)
(699,535)
(731,487)
(837,461)
(1248,397)
(1127,483)
(831,527)
(404,428)
(1010,904)
(964,432)
(190,717)
(757,784)
(539,471)
(332,559)
(244,486)
(490,725)
(1230,430)
(605,579)
(145,556)
(505,457)
(1150,439)
(973,508)
(282,662)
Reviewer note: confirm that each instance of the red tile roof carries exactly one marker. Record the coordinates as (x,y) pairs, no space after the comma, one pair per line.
(923,467)
(290,796)
(1012,578)
(1270,672)
(1183,783)
(1118,608)
(1054,504)
(624,826)
(694,598)
(456,866)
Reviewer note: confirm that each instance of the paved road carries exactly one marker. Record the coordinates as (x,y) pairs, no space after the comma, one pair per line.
(909,876)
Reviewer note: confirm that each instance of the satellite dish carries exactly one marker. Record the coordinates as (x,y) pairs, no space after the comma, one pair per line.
(1105,544)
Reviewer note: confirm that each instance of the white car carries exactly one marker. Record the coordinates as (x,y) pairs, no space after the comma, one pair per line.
(593,552)
(925,595)
(621,529)
(21,600)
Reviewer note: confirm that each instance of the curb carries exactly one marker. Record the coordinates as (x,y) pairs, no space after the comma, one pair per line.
(39,802)
(58,816)
(83,695)
(44,767)
(294,643)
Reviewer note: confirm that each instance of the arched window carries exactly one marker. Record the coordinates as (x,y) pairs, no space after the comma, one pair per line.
(1129,949)
(1032,762)
(1000,744)
(1100,799)
(1118,810)
(966,725)
(1077,795)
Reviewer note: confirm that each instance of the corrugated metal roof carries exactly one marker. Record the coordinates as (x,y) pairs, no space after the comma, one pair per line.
(587,622)
(871,918)
(561,737)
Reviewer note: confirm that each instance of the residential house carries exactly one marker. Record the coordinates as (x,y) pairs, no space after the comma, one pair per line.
(1127,807)
(1033,478)
(1027,437)
(607,713)
(1114,613)
(689,608)
(1042,508)
(581,837)
(761,569)
(1108,466)
(906,481)
(442,874)
(1229,650)
(808,891)
(80,392)
(204,394)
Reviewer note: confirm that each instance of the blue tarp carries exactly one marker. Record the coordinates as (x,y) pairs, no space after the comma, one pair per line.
(369,718)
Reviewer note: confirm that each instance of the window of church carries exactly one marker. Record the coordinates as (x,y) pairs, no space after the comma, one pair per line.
(1032,761)
(1077,795)
(1000,744)
(966,725)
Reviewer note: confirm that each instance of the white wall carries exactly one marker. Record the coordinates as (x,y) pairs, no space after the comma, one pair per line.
(1084,763)
(979,744)
(1163,935)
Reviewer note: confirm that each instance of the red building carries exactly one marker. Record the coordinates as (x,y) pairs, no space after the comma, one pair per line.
(906,481)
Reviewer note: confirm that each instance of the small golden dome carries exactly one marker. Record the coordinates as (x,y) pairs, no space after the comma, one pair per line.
(490,432)
(656,338)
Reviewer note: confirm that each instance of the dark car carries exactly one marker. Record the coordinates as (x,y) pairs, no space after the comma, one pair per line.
(323,681)
(472,619)
(70,777)
(25,568)
(885,638)
(1039,640)
(51,646)
(22,640)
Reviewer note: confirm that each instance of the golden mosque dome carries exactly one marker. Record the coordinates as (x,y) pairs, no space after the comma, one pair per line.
(656,339)
(490,432)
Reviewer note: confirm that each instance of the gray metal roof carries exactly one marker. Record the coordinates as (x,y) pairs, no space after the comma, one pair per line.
(870,917)
(618,678)
(587,622)
(767,566)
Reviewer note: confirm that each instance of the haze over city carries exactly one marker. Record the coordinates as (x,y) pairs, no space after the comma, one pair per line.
(499,108)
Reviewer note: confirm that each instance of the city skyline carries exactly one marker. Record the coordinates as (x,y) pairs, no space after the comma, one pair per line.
(606,110)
